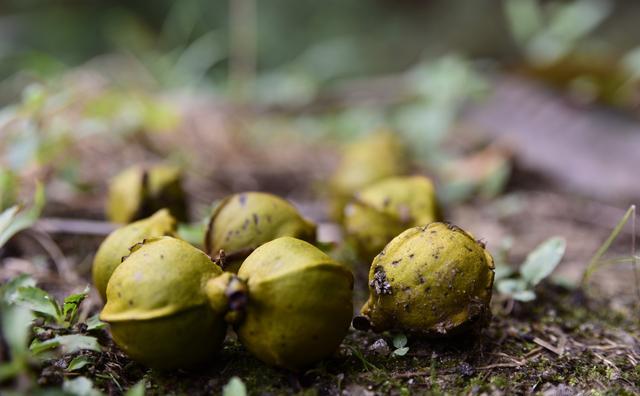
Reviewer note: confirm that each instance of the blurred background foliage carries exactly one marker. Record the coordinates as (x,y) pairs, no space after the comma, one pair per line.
(308,40)
(72,69)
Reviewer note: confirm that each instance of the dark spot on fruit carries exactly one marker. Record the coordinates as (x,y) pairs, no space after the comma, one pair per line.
(395,262)
(245,224)
(468,248)
(379,282)
(255,219)
(411,255)
(268,218)
(130,303)
(162,257)
(482,243)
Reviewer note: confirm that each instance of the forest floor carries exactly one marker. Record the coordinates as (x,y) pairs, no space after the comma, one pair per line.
(567,341)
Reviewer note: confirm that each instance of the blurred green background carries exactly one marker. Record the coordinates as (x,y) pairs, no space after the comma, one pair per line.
(331,39)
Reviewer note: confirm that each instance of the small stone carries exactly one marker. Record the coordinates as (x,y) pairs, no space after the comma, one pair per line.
(466,370)
(558,390)
(379,347)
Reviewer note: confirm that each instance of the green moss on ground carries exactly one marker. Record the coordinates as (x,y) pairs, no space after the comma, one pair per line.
(600,351)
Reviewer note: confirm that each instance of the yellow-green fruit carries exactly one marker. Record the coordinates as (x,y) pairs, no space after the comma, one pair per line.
(138,191)
(383,210)
(431,280)
(117,244)
(299,306)
(375,157)
(242,222)
(157,307)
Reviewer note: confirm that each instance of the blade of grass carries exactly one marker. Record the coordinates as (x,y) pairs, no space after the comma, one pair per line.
(633,252)
(365,363)
(595,260)
(617,260)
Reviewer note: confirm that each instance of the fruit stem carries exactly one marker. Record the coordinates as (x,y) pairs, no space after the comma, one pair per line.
(228,294)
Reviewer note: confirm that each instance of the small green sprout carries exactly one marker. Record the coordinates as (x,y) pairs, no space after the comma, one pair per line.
(235,387)
(400,342)
(596,261)
(538,265)
(15,219)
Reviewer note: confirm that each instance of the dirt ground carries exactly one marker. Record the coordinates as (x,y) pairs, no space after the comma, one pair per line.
(568,341)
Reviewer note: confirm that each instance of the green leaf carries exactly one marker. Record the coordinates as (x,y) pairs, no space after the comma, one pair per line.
(524,18)
(457,191)
(8,188)
(37,300)
(400,340)
(74,342)
(137,390)
(510,287)
(14,284)
(13,220)
(81,386)
(524,295)
(401,351)
(75,299)
(502,271)
(6,217)
(68,344)
(16,329)
(37,347)
(15,321)
(79,362)
(192,233)
(541,262)
(495,183)
(71,304)
(235,387)
(9,370)
(517,289)
(94,323)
